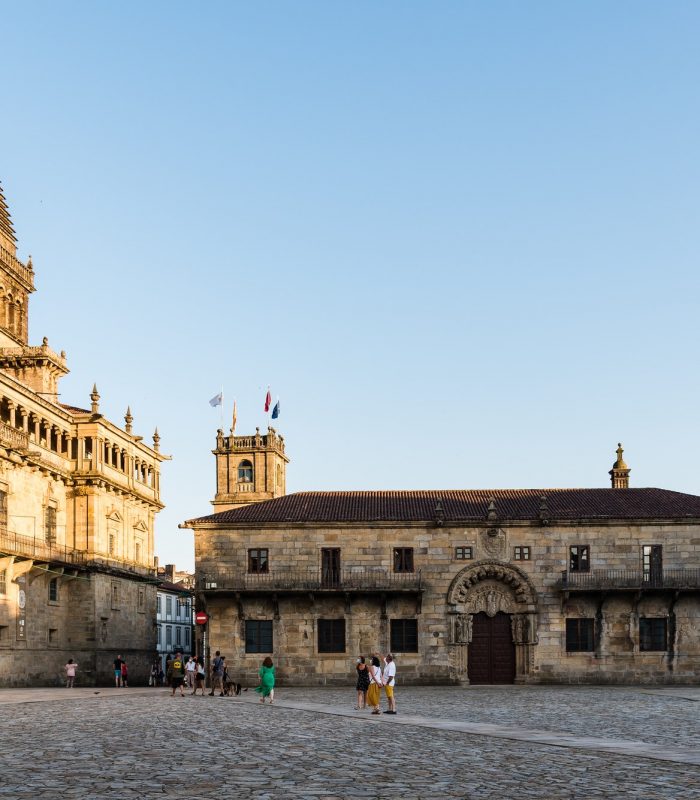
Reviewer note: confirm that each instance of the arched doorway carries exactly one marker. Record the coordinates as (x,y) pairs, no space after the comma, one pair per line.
(491,652)
(492,624)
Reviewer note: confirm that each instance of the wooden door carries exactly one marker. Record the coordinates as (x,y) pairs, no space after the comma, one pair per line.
(330,567)
(491,656)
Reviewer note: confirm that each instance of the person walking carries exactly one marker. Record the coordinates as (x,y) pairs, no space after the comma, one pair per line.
(118,671)
(191,670)
(267,681)
(199,677)
(70,669)
(375,678)
(362,683)
(176,674)
(155,670)
(125,674)
(389,678)
(217,675)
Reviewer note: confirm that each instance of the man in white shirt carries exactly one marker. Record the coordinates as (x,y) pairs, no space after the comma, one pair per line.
(190,671)
(389,678)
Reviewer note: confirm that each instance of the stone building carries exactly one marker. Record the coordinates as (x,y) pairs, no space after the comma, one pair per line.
(78,499)
(174,611)
(525,586)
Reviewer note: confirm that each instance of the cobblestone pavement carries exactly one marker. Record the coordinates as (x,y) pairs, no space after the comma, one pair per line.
(144,743)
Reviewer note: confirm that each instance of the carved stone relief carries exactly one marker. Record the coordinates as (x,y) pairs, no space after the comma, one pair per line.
(493,541)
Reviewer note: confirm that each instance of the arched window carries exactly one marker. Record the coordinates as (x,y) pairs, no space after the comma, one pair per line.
(245,472)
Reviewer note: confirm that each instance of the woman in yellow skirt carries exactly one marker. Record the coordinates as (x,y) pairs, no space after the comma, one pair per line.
(375,677)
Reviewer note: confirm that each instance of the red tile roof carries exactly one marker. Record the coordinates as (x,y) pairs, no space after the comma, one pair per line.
(463,504)
(75,409)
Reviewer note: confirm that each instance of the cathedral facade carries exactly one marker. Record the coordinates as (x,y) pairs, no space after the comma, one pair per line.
(78,499)
(504,586)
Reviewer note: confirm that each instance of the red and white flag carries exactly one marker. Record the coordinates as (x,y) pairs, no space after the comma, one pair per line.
(268,400)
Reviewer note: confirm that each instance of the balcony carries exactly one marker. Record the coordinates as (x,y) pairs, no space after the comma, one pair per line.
(13,438)
(630,580)
(360,580)
(12,544)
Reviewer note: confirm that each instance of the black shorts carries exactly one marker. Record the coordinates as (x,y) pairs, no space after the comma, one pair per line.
(177,682)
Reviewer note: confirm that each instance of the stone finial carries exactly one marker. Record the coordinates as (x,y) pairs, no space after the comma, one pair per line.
(30,265)
(128,419)
(63,354)
(439,514)
(45,341)
(620,472)
(491,512)
(156,440)
(544,510)
(95,400)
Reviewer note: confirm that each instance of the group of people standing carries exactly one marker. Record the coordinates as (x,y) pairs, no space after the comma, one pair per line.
(370,680)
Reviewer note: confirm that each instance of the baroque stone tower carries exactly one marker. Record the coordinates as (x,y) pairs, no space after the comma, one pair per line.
(620,472)
(249,468)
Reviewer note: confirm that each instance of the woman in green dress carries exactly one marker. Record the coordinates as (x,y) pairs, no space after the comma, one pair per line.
(267,681)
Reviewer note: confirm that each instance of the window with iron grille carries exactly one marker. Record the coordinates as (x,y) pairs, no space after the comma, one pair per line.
(258,636)
(3,581)
(403,559)
(653,633)
(53,590)
(50,524)
(579,558)
(463,553)
(579,635)
(258,560)
(3,511)
(331,636)
(521,553)
(404,636)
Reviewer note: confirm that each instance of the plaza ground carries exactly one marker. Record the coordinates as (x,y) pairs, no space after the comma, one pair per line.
(476,742)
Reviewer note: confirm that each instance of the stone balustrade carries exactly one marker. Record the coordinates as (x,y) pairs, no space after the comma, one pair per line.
(13,437)
(630,580)
(361,579)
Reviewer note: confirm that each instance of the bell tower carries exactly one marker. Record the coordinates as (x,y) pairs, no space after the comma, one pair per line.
(620,472)
(39,368)
(249,468)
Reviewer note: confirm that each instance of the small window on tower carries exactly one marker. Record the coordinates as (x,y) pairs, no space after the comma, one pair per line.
(245,472)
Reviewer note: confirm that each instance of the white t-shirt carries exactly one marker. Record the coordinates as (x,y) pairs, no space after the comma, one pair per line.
(390,672)
(376,674)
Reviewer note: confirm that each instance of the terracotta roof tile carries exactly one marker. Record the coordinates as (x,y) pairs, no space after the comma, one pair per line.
(463,504)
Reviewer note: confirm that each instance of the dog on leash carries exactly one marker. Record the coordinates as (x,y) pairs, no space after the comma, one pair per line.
(231,688)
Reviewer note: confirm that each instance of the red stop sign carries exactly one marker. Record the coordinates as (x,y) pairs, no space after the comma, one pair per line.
(201,617)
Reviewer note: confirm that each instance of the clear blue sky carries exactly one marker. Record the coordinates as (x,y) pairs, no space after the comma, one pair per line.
(459,240)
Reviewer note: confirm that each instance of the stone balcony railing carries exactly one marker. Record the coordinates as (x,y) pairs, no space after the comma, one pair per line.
(12,437)
(361,579)
(630,580)
(13,544)
(15,265)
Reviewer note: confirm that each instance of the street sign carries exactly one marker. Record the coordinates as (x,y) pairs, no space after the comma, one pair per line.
(201,617)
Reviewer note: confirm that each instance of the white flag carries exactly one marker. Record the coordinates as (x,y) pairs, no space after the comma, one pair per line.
(217,400)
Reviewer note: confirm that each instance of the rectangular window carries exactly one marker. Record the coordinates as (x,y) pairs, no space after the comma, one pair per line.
(579,635)
(168,606)
(652,564)
(159,635)
(159,606)
(579,558)
(142,600)
(331,636)
(3,511)
(137,552)
(168,636)
(53,637)
(187,637)
(403,559)
(463,553)
(115,595)
(404,636)
(521,553)
(3,581)
(653,633)
(257,560)
(53,590)
(4,634)
(112,544)
(178,635)
(258,636)
(50,524)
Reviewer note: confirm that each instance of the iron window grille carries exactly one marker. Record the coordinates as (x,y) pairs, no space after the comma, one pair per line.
(331,636)
(653,634)
(404,636)
(580,635)
(258,636)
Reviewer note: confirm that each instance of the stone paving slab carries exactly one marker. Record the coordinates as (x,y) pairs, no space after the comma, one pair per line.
(144,743)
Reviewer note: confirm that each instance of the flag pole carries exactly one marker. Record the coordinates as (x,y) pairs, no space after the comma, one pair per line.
(222,408)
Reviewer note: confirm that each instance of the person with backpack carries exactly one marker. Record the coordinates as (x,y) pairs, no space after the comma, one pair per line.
(217,675)
(176,674)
